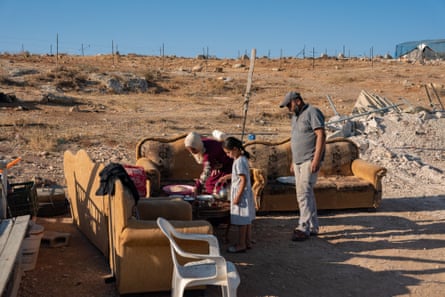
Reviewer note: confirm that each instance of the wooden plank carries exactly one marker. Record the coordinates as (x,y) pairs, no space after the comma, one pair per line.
(248,87)
(437,96)
(5,230)
(13,231)
(429,97)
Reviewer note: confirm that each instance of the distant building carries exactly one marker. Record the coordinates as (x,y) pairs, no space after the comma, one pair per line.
(421,49)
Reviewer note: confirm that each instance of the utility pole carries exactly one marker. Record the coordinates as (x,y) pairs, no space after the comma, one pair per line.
(57,50)
(112,50)
(313,58)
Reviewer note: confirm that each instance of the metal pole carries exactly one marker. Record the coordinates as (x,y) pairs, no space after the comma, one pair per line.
(332,105)
(4,203)
(363,114)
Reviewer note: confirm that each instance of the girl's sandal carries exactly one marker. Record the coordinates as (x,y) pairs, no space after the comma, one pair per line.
(250,245)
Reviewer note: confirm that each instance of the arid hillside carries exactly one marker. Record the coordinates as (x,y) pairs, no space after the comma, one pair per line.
(48,105)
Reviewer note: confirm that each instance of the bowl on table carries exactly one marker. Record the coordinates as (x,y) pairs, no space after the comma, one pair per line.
(178,189)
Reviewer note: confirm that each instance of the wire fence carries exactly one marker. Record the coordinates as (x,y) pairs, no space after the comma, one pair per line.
(13,45)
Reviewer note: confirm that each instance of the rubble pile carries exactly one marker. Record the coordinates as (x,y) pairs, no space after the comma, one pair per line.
(410,146)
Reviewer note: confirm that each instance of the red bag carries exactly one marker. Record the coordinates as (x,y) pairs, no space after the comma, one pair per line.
(137,175)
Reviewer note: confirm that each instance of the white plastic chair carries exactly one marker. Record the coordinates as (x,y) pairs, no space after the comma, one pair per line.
(208,269)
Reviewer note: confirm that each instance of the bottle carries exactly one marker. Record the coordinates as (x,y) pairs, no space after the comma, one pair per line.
(251,136)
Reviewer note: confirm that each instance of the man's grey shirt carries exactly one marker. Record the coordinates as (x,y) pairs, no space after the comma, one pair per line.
(303,137)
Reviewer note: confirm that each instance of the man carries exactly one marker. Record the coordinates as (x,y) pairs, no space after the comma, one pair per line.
(308,141)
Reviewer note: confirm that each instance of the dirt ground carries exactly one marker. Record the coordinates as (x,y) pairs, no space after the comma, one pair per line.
(398,250)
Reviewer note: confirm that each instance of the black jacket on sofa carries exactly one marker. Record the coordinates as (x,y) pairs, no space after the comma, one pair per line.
(108,176)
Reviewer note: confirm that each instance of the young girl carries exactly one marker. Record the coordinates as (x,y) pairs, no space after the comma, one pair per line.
(242,205)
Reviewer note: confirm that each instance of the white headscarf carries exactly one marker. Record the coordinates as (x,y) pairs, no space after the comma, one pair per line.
(194,140)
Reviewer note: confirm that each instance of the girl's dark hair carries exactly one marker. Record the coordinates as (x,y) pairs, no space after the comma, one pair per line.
(231,142)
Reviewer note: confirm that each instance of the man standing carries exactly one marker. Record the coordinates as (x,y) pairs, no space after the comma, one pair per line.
(308,139)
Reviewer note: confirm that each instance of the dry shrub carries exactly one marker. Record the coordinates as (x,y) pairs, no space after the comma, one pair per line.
(123,103)
(39,141)
(229,113)
(43,137)
(89,68)
(214,86)
(345,79)
(66,85)
(9,82)
(153,75)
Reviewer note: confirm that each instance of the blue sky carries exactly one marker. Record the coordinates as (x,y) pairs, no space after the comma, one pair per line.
(224,29)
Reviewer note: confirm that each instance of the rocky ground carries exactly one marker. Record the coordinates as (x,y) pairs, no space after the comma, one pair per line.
(396,251)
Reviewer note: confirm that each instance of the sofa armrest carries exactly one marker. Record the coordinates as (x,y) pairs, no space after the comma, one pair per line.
(153,176)
(151,209)
(147,232)
(368,171)
(259,180)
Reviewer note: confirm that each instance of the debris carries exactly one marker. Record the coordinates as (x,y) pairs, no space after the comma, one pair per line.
(55,239)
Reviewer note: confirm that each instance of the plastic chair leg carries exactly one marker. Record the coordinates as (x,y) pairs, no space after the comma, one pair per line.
(232,292)
(224,291)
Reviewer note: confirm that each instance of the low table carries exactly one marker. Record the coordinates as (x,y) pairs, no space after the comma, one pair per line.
(215,210)
(216,214)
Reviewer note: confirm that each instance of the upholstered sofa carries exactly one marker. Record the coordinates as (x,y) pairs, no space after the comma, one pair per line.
(166,161)
(344,182)
(138,252)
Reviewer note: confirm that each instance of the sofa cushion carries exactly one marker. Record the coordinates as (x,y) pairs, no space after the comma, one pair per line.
(139,178)
(351,183)
(173,209)
(324,183)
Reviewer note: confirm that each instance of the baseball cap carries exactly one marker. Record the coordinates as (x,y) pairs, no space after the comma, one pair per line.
(289,97)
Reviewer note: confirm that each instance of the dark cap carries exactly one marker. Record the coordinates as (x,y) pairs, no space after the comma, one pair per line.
(289,97)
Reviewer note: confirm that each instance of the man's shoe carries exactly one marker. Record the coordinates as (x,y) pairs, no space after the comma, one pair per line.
(299,235)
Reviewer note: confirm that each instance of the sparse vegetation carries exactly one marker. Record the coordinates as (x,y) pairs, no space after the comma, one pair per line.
(74,96)
(73,107)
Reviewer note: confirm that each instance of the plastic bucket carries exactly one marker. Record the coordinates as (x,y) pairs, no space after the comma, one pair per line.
(31,246)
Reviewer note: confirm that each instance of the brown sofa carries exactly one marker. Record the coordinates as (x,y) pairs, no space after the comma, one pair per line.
(138,252)
(166,161)
(345,181)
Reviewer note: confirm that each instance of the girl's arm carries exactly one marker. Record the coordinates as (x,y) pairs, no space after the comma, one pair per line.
(225,178)
(242,184)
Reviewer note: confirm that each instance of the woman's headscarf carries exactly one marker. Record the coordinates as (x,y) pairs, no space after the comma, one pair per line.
(194,140)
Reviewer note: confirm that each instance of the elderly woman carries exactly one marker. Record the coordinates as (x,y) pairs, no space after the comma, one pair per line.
(215,162)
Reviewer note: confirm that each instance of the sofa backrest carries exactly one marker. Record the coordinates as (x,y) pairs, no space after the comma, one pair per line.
(275,157)
(339,154)
(170,157)
(89,211)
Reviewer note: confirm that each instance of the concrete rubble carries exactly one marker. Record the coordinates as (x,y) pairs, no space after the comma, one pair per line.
(410,144)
